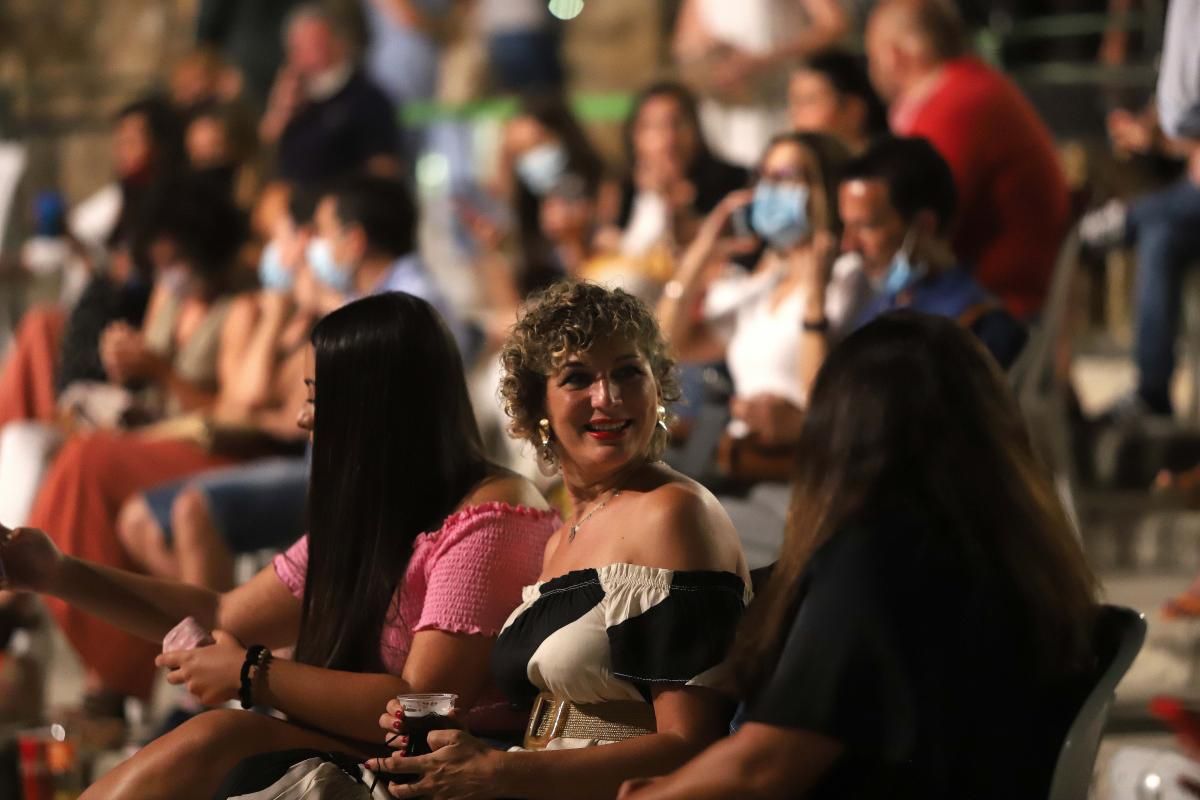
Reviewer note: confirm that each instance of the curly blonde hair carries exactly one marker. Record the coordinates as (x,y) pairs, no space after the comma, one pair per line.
(568,318)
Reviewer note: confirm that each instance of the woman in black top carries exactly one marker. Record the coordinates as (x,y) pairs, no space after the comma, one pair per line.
(926,632)
(668,155)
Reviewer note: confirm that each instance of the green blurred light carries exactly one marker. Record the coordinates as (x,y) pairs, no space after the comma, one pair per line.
(566,9)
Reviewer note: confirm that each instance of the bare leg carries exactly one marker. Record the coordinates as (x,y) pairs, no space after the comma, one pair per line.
(203,557)
(192,761)
(143,540)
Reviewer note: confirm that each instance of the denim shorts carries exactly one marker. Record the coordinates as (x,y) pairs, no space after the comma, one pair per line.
(256,506)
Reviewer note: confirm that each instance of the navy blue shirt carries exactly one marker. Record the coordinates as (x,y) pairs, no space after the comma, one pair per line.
(957,295)
(330,138)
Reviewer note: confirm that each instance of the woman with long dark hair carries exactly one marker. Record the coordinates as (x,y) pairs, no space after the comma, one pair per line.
(674,177)
(926,632)
(416,553)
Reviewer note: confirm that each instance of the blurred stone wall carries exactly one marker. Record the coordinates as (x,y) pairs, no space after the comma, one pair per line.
(67,65)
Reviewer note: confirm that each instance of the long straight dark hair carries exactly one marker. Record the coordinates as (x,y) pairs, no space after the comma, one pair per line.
(911,419)
(395,449)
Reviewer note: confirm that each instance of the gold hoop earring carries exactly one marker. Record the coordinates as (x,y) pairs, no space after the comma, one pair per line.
(547,462)
(662,419)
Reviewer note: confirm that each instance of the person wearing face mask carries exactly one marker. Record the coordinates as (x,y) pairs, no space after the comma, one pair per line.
(897,203)
(325,117)
(542,145)
(764,324)
(191,529)
(364,242)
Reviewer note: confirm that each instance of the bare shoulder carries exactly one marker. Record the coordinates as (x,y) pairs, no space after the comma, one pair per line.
(506,487)
(687,529)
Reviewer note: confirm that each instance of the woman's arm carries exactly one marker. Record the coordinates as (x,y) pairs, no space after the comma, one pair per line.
(235,331)
(814,331)
(248,354)
(828,23)
(348,704)
(262,610)
(759,761)
(691,39)
(688,720)
(684,290)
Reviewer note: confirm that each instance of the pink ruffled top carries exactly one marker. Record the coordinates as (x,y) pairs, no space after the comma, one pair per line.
(465,577)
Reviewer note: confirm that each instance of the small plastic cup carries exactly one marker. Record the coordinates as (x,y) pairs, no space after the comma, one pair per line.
(424,713)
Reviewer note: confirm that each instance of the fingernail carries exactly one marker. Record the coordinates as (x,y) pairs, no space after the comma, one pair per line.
(396,725)
(399,714)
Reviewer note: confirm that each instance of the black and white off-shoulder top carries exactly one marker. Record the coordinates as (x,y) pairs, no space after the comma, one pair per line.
(612,633)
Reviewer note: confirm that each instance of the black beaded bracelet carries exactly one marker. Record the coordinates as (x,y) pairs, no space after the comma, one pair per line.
(246,693)
(815,326)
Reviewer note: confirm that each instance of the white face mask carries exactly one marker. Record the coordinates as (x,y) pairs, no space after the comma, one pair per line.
(326,84)
(903,270)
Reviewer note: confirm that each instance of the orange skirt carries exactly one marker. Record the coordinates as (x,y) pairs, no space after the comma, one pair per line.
(27,380)
(90,480)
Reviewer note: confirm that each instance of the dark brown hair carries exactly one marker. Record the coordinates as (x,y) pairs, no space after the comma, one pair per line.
(910,416)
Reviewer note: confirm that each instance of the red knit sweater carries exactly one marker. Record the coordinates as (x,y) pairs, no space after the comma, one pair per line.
(1013,206)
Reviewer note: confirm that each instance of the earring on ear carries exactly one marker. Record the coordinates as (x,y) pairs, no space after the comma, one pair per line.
(547,463)
(662,418)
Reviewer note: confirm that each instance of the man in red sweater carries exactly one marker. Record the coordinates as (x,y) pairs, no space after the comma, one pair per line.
(1013,197)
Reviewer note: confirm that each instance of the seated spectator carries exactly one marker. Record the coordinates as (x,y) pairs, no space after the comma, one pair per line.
(647,557)
(365,242)
(831,93)
(674,177)
(194,339)
(762,324)
(189,529)
(897,202)
(147,145)
(568,217)
(541,145)
(1013,206)
(738,56)
(325,116)
(1163,227)
(373,604)
(927,630)
(222,146)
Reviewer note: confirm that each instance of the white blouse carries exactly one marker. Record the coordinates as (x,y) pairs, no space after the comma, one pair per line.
(763,337)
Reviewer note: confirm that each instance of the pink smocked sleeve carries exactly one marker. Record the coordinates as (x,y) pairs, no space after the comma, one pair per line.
(484,556)
(292,565)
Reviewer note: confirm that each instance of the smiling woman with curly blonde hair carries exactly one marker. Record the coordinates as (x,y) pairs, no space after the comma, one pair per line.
(624,638)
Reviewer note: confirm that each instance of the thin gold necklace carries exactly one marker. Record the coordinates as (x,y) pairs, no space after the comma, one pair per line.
(575,528)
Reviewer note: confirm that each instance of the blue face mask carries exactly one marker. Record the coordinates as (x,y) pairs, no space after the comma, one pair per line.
(902,272)
(779,214)
(325,268)
(541,168)
(272,274)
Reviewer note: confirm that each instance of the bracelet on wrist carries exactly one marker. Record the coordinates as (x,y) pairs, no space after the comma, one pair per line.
(256,658)
(815,325)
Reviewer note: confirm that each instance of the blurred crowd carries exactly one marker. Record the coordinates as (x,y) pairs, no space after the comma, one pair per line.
(779,191)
